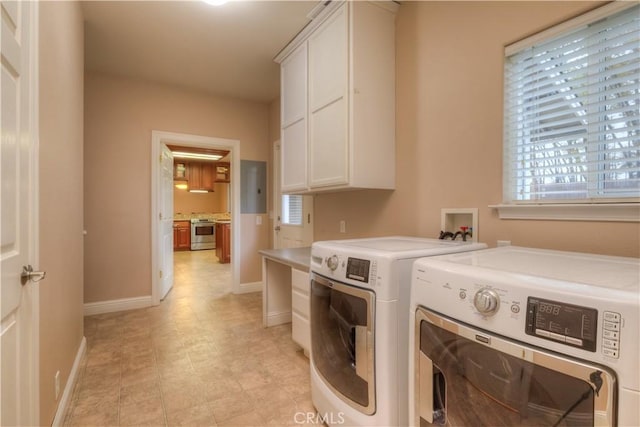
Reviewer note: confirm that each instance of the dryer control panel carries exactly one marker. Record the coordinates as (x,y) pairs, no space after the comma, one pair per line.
(565,323)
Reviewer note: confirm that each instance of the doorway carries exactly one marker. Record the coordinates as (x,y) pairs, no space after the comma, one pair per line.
(161,255)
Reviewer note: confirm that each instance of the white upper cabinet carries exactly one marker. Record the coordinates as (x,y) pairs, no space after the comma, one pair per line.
(338,100)
(293,74)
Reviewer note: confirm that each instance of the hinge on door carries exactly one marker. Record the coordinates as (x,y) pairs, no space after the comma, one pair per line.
(308,218)
(160,216)
(161,274)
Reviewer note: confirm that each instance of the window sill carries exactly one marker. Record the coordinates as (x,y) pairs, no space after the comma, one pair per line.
(620,212)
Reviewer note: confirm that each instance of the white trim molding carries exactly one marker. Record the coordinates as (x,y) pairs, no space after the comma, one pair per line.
(112,306)
(278,318)
(246,288)
(159,137)
(617,212)
(63,406)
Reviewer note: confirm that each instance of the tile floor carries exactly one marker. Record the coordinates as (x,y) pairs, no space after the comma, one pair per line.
(201,358)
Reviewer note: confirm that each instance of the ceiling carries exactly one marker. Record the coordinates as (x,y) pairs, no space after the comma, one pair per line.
(222,50)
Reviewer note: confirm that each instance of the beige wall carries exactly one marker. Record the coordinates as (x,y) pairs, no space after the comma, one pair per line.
(119,117)
(449,132)
(61,171)
(187,203)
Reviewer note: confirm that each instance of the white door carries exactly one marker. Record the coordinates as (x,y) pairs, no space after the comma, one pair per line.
(18,194)
(293,222)
(165,227)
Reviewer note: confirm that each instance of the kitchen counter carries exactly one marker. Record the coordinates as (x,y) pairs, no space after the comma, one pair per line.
(280,269)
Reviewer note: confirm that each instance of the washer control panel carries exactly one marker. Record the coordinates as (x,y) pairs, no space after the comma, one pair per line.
(565,323)
(358,269)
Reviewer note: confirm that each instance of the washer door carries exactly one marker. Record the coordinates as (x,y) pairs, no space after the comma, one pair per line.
(342,340)
(469,377)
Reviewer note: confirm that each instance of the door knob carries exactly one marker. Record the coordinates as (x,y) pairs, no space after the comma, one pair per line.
(28,274)
(277,228)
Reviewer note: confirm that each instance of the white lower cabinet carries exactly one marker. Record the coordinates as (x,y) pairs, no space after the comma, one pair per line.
(300,313)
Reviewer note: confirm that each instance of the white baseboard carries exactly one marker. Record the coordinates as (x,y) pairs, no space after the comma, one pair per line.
(278,318)
(245,288)
(112,306)
(63,406)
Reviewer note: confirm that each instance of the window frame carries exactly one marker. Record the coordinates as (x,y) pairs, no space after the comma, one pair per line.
(285,200)
(625,209)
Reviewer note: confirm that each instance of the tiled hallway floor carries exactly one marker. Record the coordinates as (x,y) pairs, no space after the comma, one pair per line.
(201,358)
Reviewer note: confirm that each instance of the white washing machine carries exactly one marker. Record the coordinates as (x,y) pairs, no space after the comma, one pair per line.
(518,336)
(359,322)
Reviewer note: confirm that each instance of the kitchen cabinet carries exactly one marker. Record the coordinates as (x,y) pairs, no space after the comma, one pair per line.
(223,242)
(222,172)
(201,176)
(181,235)
(338,100)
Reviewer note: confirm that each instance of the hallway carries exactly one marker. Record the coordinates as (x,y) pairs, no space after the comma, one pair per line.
(200,358)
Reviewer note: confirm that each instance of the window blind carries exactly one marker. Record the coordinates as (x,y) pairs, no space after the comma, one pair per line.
(292,210)
(572,119)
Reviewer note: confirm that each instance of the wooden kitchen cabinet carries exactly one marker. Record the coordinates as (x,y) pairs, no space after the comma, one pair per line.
(181,235)
(341,69)
(201,176)
(222,172)
(223,242)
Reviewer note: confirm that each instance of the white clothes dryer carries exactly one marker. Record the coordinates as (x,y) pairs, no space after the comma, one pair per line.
(359,326)
(519,336)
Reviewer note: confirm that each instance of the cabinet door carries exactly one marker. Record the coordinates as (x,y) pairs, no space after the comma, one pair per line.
(184,238)
(195,176)
(207,176)
(175,237)
(182,235)
(201,176)
(226,242)
(328,131)
(294,120)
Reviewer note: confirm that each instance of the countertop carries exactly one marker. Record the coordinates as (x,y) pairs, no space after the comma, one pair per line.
(298,258)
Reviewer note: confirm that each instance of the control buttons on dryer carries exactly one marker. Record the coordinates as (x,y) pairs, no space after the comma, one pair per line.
(487,301)
(611,333)
(515,308)
(462,294)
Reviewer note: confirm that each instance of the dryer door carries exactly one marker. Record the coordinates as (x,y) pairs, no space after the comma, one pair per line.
(470,377)
(342,340)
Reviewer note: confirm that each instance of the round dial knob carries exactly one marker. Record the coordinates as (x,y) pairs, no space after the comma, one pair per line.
(332,262)
(487,301)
